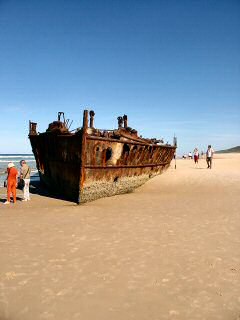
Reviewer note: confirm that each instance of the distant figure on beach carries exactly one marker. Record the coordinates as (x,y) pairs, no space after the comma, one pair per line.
(190,155)
(11,183)
(209,156)
(196,156)
(25,172)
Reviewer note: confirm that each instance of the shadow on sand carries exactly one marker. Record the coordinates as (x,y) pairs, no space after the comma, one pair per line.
(36,187)
(4,200)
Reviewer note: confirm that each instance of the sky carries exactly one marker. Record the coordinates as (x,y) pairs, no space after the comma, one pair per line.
(172,66)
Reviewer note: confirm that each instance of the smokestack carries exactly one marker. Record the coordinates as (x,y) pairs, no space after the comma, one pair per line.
(92,114)
(85,120)
(120,122)
(125,120)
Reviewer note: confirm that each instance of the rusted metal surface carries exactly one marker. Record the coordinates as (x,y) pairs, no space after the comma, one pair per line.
(32,128)
(83,151)
(91,163)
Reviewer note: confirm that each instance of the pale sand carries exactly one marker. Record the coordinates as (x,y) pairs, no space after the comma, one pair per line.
(170,250)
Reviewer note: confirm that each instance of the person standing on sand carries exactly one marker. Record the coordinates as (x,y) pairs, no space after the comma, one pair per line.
(209,156)
(196,156)
(11,182)
(25,172)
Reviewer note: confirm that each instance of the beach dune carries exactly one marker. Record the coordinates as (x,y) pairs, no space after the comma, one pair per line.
(169,250)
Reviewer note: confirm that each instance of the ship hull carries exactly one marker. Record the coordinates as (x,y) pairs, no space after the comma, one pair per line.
(92,163)
(94,190)
(58,164)
(83,171)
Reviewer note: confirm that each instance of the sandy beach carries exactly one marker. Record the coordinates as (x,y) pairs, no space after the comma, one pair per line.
(170,250)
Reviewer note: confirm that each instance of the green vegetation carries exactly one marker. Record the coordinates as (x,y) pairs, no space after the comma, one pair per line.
(231,150)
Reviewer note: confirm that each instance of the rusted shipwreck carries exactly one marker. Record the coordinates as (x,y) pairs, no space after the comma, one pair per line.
(89,163)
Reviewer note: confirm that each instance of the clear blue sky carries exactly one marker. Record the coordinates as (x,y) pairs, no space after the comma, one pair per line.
(171,66)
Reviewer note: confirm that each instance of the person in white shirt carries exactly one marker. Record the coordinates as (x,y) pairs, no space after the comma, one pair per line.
(209,156)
